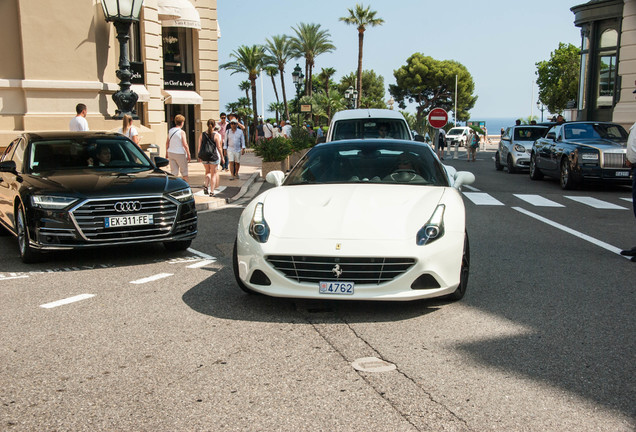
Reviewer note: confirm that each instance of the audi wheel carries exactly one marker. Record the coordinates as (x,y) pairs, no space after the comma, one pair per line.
(27,253)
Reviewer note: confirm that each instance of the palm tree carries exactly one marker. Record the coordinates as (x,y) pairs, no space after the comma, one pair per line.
(361,18)
(246,86)
(279,53)
(325,75)
(276,107)
(272,71)
(248,60)
(310,42)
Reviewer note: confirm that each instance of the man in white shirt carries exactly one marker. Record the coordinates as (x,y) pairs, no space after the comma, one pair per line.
(235,145)
(286,129)
(631,162)
(268,130)
(79,123)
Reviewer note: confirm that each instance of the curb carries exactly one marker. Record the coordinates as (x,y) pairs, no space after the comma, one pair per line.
(217,203)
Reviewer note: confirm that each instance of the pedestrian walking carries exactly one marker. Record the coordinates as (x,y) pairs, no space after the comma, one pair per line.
(79,123)
(260,133)
(631,162)
(129,130)
(210,154)
(268,130)
(235,145)
(223,125)
(177,150)
(286,128)
(472,147)
(441,143)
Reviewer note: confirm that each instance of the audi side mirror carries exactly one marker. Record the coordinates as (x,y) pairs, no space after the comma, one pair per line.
(161,162)
(8,166)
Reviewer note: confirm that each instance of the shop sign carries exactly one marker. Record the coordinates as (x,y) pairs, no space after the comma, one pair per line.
(178,81)
(137,68)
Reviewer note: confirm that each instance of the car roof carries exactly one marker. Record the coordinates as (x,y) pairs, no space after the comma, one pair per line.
(531,126)
(363,113)
(369,141)
(48,135)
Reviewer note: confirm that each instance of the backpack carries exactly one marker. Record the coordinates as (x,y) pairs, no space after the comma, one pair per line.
(208,152)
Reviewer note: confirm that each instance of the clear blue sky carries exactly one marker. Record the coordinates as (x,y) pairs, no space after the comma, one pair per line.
(499,42)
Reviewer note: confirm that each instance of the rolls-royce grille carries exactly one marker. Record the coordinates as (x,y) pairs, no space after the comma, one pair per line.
(90,218)
(613,160)
(358,270)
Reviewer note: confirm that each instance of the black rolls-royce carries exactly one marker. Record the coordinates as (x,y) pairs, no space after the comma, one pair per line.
(67,190)
(578,151)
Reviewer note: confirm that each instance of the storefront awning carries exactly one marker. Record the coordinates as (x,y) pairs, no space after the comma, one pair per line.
(187,14)
(182,97)
(142,92)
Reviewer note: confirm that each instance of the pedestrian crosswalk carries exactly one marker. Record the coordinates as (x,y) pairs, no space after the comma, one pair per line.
(485,199)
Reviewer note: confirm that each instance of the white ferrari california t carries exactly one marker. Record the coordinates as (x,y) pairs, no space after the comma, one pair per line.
(360,220)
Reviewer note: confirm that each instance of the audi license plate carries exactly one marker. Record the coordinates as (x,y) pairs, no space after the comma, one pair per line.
(622,173)
(342,288)
(131,220)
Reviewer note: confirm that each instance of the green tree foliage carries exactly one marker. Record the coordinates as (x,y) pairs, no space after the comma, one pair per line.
(430,83)
(373,85)
(361,18)
(558,78)
(310,42)
(248,60)
(279,52)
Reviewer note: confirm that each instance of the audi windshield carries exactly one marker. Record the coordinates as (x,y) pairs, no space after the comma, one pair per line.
(94,153)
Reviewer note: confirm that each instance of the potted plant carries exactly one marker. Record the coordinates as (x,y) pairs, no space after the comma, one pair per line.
(273,152)
(301,142)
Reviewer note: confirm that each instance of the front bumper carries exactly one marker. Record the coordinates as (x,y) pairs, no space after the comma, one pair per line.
(611,175)
(437,264)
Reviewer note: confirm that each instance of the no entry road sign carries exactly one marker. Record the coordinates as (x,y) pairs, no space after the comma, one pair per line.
(438,118)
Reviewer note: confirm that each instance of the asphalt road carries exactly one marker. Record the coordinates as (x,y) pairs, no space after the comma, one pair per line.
(543,341)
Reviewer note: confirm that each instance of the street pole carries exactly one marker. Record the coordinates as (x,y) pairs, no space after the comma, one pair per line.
(455,113)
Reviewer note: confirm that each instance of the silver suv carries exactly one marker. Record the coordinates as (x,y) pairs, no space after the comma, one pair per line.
(516,145)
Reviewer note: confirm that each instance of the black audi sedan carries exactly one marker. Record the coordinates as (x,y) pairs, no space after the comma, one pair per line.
(581,151)
(71,190)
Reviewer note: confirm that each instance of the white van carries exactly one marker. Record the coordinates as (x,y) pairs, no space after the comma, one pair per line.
(368,123)
(458,135)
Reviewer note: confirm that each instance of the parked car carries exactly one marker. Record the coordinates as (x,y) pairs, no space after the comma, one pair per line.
(368,123)
(515,147)
(578,151)
(361,220)
(458,136)
(71,190)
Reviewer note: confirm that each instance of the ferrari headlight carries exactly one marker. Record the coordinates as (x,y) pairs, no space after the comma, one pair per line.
(433,229)
(51,202)
(519,148)
(182,195)
(258,227)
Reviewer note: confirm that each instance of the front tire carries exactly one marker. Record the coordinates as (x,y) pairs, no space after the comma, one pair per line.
(511,165)
(463,275)
(239,282)
(535,172)
(28,255)
(498,165)
(566,180)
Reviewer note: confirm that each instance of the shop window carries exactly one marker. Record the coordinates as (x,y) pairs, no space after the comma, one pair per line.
(177,50)
(585,46)
(607,68)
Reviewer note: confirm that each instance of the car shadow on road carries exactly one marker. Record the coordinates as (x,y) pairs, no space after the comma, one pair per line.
(220,297)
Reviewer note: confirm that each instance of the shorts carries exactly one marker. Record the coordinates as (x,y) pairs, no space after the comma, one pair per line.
(217,162)
(178,163)
(233,156)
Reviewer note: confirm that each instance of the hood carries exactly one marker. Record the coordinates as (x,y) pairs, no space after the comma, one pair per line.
(350,211)
(601,144)
(93,183)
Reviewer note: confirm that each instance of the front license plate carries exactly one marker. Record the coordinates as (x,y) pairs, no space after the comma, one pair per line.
(131,220)
(343,288)
(622,173)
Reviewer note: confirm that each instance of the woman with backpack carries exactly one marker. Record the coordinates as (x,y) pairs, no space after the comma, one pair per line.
(210,155)
(472,148)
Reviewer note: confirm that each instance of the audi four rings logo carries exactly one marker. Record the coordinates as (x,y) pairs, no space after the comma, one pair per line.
(127,206)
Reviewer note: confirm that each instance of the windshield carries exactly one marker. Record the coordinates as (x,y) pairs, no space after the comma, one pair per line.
(369,162)
(455,131)
(99,153)
(608,131)
(530,133)
(370,128)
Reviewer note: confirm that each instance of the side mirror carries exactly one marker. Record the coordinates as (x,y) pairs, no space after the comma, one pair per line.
(8,166)
(275,177)
(419,138)
(161,162)
(551,136)
(463,178)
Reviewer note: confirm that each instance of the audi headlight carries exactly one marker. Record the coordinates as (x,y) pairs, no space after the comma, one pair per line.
(182,195)
(589,156)
(433,229)
(258,227)
(51,202)
(519,148)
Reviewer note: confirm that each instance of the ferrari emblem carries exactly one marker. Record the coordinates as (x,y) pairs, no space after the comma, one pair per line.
(338,246)
(337,271)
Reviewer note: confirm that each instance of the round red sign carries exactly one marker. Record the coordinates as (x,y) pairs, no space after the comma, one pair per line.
(438,118)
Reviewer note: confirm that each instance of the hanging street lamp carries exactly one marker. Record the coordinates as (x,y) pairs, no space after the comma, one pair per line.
(297,78)
(123,13)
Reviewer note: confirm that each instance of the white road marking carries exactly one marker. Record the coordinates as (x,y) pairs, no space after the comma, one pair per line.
(628,199)
(474,189)
(201,263)
(152,278)
(67,301)
(13,276)
(575,233)
(201,254)
(481,198)
(538,200)
(596,203)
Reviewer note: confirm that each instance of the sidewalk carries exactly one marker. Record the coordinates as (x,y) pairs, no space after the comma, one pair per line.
(228,190)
